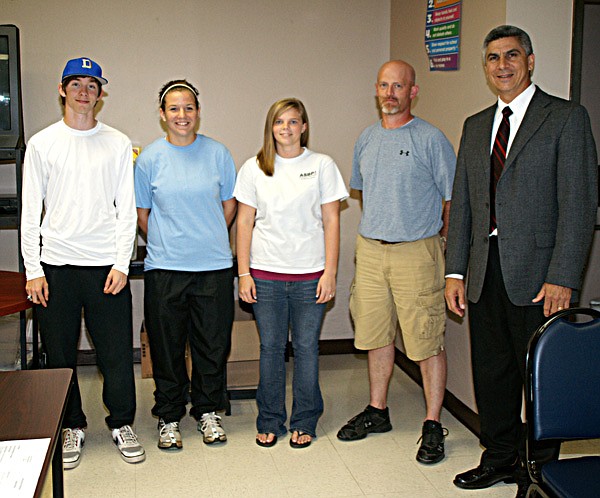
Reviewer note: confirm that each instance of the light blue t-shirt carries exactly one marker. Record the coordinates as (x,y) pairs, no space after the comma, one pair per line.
(184,188)
(404,174)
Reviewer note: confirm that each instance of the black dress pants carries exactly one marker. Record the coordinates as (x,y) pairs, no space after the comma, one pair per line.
(108,320)
(500,332)
(197,306)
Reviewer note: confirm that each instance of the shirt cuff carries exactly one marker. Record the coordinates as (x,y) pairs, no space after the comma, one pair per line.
(30,275)
(122,269)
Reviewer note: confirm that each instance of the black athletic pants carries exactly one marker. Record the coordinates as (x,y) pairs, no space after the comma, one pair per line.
(188,305)
(108,320)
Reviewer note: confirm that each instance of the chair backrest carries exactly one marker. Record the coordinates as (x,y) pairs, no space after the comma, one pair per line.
(563,377)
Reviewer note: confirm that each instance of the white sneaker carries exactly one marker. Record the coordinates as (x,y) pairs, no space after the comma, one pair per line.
(210,427)
(129,447)
(73,440)
(169,437)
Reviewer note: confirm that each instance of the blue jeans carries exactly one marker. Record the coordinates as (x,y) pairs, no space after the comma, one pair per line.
(282,306)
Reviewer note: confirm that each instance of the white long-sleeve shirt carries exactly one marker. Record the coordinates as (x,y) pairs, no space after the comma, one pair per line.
(84,182)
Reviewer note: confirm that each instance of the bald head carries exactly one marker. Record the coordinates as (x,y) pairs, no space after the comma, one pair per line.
(395,90)
(398,67)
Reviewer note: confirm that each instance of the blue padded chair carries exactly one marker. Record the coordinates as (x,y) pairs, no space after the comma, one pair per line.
(563,401)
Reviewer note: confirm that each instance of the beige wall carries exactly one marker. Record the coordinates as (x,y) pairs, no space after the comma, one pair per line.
(242,56)
(549,23)
(446,98)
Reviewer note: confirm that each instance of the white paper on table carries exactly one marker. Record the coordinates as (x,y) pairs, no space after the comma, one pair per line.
(21,463)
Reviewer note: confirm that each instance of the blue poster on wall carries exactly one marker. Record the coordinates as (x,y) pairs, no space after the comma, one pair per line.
(442,34)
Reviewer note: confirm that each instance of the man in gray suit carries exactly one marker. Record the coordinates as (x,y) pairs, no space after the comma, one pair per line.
(523,211)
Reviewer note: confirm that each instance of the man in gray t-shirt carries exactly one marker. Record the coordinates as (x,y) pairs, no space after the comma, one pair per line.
(404,169)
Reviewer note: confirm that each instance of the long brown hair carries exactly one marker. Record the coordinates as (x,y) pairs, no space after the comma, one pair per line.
(266,155)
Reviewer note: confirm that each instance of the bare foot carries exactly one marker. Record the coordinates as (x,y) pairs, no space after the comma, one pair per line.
(266,439)
(300,439)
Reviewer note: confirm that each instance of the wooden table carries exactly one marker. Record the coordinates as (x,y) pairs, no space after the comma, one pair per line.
(13,299)
(12,293)
(32,406)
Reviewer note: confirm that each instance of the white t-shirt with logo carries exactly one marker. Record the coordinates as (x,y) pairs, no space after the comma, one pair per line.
(288,232)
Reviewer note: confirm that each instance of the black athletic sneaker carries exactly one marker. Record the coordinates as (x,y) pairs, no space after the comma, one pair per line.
(432,442)
(370,420)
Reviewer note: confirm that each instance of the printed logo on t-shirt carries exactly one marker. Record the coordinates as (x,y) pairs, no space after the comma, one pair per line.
(403,152)
(308,176)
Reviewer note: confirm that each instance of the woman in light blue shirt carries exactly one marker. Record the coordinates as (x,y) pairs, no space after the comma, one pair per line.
(184,194)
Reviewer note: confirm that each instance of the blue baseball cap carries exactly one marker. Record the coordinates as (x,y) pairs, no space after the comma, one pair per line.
(84,67)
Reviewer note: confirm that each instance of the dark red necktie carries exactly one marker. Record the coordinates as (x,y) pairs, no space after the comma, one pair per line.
(498,159)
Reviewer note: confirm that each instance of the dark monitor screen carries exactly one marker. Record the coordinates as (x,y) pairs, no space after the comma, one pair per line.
(4,84)
(11,110)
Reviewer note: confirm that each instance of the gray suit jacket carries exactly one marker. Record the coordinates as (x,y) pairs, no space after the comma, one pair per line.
(546,200)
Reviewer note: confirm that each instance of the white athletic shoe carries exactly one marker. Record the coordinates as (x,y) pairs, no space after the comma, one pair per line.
(210,427)
(169,437)
(127,443)
(73,440)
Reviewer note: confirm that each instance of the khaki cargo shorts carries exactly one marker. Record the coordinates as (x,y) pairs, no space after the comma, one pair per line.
(402,282)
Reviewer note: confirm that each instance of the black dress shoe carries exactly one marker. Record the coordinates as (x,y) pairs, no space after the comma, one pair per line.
(522,490)
(484,476)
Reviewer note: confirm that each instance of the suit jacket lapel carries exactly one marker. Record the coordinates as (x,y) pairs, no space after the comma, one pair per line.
(536,114)
(484,139)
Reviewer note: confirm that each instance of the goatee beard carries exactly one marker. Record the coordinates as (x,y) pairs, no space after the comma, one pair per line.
(390,110)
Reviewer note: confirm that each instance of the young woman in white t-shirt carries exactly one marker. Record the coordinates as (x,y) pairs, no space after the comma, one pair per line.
(287,250)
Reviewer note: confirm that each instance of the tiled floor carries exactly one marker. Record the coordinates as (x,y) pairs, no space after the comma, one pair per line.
(380,465)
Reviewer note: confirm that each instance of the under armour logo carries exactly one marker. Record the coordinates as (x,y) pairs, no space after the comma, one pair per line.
(404,152)
(86,63)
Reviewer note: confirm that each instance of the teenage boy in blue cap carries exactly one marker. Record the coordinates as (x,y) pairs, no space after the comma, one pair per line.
(78,174)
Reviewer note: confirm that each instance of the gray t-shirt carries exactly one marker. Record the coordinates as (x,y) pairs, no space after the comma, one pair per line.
(404,174)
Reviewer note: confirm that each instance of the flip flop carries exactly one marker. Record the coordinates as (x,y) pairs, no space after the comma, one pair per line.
(267,444)
(296,444)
